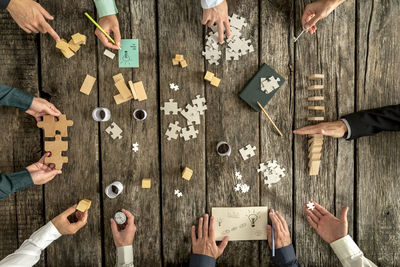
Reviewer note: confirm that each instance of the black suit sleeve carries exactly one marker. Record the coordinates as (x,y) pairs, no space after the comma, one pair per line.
(285,257)
(373,121)
(4,4)
(198,260)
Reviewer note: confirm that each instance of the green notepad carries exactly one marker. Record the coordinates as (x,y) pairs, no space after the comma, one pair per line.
(128,55)
(252,92)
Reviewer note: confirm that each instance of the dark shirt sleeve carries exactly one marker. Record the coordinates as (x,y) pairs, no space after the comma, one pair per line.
(14,97)
(373,121)
(4,4)
(198,260)
(13,182)
(285,257)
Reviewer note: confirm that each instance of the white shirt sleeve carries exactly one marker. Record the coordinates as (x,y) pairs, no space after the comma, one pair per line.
(348,128)
(206,4)
(29,252)
(349,253)
(125,256)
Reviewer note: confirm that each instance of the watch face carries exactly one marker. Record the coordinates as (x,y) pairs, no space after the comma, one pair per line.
(120,217)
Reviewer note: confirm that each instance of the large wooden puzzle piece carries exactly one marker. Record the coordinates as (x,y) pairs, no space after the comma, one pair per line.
(52,127)
(56,148)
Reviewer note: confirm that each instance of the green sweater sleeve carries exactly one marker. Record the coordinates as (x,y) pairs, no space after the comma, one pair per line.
(105,7)
(14,97)
(13,182)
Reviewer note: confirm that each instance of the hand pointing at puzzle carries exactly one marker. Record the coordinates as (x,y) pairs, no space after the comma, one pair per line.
(31,17)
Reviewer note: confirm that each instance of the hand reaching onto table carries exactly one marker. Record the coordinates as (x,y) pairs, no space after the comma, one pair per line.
(328,227)
(110,25)
(64,226)
(31,17)
(204,243)
(335,129)
(124,237)
(40,107)
(281,230)
(219,15)
(316,11)
(40,172)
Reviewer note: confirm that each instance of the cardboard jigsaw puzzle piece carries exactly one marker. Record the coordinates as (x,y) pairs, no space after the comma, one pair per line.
(51,126)
(56,148)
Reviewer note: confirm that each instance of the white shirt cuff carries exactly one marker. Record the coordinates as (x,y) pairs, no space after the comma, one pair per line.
(124,255)
(348,128)
(45,235)
(345,247)
(206,4)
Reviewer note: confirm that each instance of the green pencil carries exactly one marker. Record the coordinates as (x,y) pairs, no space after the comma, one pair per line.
(100,28)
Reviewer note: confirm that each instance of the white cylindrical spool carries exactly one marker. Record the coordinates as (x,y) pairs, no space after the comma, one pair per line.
(140,114)
(112,194)
(96,114)
(221,149)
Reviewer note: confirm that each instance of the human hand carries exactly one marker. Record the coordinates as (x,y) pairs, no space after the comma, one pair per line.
(42,173)
(281,230)
(317,10)
(219,15)
(64,226)
(31,17)
(124,237)
(205,243)
(328,227)
(335,129)
(109,24)
(40,107)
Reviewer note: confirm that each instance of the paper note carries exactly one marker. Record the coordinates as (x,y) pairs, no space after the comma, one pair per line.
(244,223)
(128,55)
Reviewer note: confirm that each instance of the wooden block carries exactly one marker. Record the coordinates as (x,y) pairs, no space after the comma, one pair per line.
(118,77)
(74,47)
(132,89)
(316,98)
(179,57)
(87,85)
(315,142)
(146,183)
(84,205)
(187,174)
(314,156)
(315,149)
(316,87)
(316,77)
(62,45)
(67,53)
(209,76)
(313,167)
(119,99)
(140,92)
(183,63)
(215,81)
(123,89)
(175,62)
(315,118)
(317,136)
(316,108)
(79,39)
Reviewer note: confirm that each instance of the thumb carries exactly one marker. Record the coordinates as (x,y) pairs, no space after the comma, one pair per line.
(52,112)
(343,214)
(69,211)
(223,244)
(51,174)
(117,35)
(114,228)
(269,235)
(312,22)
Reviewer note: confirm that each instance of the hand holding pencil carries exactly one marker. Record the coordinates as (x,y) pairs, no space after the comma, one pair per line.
(106,26)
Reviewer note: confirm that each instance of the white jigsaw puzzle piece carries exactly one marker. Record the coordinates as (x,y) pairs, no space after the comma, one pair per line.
(173,131)
(170,107)
(247,152)
(114,131)
(189,133)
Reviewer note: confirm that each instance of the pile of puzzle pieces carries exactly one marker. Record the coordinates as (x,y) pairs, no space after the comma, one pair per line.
(136,90)
(179,60)
(236,45)
(272,172)
(55,129)
(241,187)
(192,115)
(69,49)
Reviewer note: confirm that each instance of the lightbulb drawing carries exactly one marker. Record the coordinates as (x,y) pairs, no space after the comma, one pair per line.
(253,217)
(126,57)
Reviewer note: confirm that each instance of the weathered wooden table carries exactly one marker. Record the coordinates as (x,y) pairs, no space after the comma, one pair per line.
(356,48)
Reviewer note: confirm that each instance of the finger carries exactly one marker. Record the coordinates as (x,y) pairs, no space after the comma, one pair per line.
(269,235)
(114,227)
(69,211)
(47,154)
(103,39)
(343,214)
(307,15)
(117,36)
(311,129)
(312,22)
(211,23)
(54,109)
(283,221)
(211,231)
(205,19)
(51,31)
(200,228)
(129,215)
(26,29)
(53,173)
(227,28)
(32,28)
(220,32)
(205,226)
(275,221)
(83,219)
(193,234)
(223,244)
(312,223)
(312,216)
(317,213)
(321,209)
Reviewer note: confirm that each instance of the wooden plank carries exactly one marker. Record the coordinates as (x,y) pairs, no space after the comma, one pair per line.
(21,144)
(119,162)
(377,164)
(80,178)
(277,51)
(177,154)
(230,119)
(321,53)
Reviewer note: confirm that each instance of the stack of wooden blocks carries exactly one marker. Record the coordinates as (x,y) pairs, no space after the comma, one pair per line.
(316,140)
(179,60)
(69,49)
(136,90)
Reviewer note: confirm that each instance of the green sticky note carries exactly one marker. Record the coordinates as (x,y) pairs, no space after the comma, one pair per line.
(128,55)
(253,93)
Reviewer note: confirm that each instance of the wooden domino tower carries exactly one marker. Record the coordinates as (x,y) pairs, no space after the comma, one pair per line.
(316,140)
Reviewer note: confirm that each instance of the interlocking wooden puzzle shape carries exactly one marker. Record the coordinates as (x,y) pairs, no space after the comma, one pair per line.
(56,148)
(51,126)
